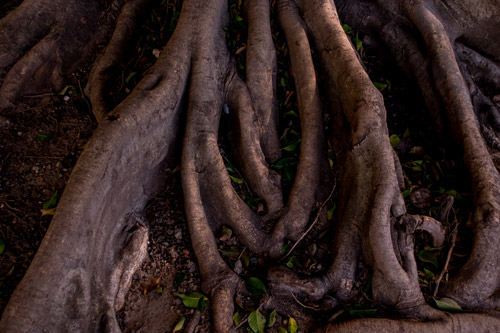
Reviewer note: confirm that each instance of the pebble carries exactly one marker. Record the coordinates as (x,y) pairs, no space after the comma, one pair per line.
(173,253)
(178,234)
(238,267)
(35,168)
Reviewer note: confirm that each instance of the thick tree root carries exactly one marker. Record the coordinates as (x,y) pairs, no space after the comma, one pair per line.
(450,323)
(106,65)
(37,49)
(443,76)
(91,238)
(261,76)
(99,251)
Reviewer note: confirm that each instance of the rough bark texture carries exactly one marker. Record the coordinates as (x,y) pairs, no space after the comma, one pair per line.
(97,238)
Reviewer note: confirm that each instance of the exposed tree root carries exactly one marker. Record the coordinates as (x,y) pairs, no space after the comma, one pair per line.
(261,76)
(468,111)
(43,41)
(449,323)
(95,255)
(107,64)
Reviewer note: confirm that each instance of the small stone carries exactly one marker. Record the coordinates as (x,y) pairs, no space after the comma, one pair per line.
(191,266)
(173,253)
(66,98)
(238,267)
(35,168)
(178,234)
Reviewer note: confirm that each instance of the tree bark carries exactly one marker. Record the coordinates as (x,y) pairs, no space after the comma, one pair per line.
(98,238)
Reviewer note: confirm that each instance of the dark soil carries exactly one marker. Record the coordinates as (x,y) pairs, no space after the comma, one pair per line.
(40,142)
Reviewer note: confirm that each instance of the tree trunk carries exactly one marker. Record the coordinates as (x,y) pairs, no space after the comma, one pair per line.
(98,237)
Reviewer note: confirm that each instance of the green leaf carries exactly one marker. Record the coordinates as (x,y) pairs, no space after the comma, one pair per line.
(51,203)
(361,311)
(329,214)
(236,180)
(284,249)
(394,140)
(202,304)
(406,193)
(429,275)
(44,136)
(257,321)
(2,246)
(129,77)
(358,43)
(227,231)
(255,286)
(282,330)
(271,319)
(292,146)
(291,113)
(293,261)
(194,300)
(245,259)
(64,90)
(447,304)
(380,85)
(179,325)
(427,256)
(237,318)
(284,162)
(346,28)
(292,325)
(179,277)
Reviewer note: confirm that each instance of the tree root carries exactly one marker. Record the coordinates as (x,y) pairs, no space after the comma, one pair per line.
(261,76)
(105,66)
(450,323)
(443,77)
(36,45)
(195,73)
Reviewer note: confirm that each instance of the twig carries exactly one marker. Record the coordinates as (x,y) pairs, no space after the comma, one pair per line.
(302,304)
(448,257)
(3,161)
(40,95)
(10,210)
(47,157)
(193,322)
(312,224)
(84,96)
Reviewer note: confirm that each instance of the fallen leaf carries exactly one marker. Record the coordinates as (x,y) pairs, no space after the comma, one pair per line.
(50,211)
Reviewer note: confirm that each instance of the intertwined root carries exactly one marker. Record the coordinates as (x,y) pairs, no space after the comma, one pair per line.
(455,75)
(195,73)
(35,47)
